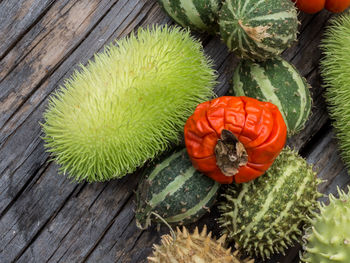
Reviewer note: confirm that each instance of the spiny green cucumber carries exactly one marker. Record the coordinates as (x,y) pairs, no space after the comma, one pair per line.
(128,104)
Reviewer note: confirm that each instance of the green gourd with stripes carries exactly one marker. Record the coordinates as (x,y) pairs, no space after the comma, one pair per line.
(264,216)
(175,191)
(276,81)
(199,15)
(258,29)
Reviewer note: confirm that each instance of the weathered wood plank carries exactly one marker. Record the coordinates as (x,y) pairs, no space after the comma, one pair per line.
(325,156)
(70,22)
(72,233)
(46,193)
(16,18)
(22,167)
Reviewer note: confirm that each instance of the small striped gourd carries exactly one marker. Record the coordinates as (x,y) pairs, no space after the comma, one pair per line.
(175,191)
(277,81)
(264,216)
(199,15)
(258,29)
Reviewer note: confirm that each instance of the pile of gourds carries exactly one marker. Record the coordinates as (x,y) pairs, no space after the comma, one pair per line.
(138,98)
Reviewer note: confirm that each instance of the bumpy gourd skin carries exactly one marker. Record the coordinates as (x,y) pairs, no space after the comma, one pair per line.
(127,105)
(258,30)
(328,239)
(194,248)
(265,216)
(259,126)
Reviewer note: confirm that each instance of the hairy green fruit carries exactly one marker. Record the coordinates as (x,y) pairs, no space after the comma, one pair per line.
(264,216)
(276,81)
(174,191)
(258,29)
(127,105)
(328,238)
(335,70)
(184,247)
(199,15)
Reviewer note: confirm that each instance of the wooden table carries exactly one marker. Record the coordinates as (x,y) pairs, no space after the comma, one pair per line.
(45,217)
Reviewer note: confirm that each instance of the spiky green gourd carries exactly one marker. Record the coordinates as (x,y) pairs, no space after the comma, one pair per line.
(258,29)
(194,248)
(328,238)
(199,15)
(175,191)
(276,81)
(264,216)
(127,105)
(335,70)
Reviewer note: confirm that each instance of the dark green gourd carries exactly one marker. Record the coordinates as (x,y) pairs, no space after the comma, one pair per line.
(264,216)
(199,15)
(277,81)
(175,191)
(258,29)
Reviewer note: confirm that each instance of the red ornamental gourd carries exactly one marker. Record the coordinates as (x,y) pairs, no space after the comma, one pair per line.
(234,138)
(314,6)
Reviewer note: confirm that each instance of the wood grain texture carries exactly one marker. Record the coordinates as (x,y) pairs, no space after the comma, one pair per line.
(45,217)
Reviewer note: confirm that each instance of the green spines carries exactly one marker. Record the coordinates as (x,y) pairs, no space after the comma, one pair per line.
(276,81)
(175,191)
(258,29)
(335,71)
(199,15)
(263,216)
(128,105)
(328,238)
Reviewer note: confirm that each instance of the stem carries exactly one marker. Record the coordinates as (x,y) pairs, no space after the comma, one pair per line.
(230,153)
(166,223)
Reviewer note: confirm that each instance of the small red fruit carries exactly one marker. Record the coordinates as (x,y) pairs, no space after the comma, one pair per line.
(314,6)
(234,138)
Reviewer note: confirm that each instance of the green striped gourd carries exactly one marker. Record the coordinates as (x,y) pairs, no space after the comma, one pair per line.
(199,15)
(328,238)
(174,191)
(258,29)
(264,216)
(276,81)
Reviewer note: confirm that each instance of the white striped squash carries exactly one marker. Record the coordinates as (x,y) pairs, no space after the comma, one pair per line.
(258,29)
(264,216)
(174,190)
(278,82)
(199,15)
